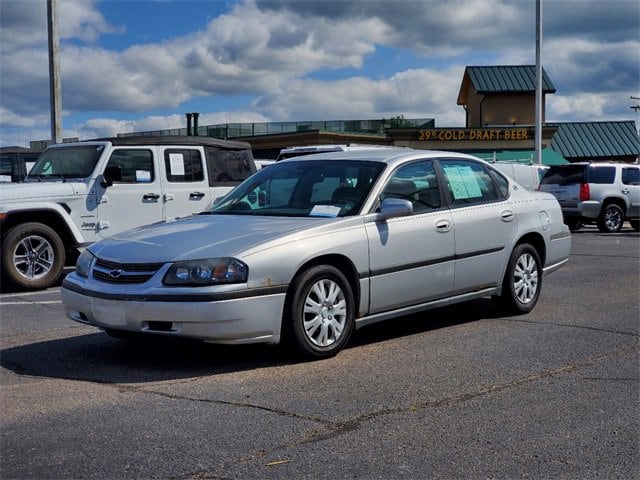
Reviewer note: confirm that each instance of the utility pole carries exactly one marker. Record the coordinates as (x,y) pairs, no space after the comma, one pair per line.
(54,72)
(538,132)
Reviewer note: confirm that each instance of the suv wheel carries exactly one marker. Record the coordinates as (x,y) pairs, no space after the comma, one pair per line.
(611,218)
(635,224)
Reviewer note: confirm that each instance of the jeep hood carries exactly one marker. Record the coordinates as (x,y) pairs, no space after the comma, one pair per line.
(37,191)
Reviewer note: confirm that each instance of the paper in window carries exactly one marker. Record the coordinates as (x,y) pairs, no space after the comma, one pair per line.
(176,164)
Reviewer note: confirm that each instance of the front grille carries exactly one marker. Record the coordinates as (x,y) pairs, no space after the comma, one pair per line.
(112,272)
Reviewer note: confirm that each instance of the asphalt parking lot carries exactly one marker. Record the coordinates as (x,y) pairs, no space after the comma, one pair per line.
(459,392)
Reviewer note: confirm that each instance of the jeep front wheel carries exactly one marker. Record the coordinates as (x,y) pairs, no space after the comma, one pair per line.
(33,256)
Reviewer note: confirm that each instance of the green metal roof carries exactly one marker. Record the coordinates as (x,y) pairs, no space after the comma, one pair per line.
(596,139)
(549,157)
(509,78)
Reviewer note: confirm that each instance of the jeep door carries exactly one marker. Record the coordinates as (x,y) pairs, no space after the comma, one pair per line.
(135,197)
(186,189)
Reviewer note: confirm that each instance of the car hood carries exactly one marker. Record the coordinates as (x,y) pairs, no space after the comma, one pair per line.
(208,236)
(36,191)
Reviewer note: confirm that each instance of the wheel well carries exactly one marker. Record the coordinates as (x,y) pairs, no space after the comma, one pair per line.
(49,218)
(340,262)
(618,201)
(537,242)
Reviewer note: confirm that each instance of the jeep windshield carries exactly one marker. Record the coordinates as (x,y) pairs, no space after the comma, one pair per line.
(319,188)
(66,163)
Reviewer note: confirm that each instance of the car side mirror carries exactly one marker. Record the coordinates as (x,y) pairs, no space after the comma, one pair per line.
(113,173)
(394,207)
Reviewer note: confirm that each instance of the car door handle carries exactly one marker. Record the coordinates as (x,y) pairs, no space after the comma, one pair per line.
(443,226)
(625,191)
(506,216)
(196,195)
(151,196)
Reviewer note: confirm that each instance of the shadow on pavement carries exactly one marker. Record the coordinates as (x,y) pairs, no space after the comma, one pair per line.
(100,358)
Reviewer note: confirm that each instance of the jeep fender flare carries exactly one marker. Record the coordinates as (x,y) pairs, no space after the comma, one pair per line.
(15,215)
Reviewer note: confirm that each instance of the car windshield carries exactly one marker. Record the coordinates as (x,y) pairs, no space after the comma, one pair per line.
(314,188)
(66,162)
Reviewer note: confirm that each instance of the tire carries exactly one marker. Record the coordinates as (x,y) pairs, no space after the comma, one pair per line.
(574,225)
(33,256)
(522,281)
(319,318)
(611,218)
(635,224)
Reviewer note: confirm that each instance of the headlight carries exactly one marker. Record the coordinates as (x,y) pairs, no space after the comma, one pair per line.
(211,271)
(83,264)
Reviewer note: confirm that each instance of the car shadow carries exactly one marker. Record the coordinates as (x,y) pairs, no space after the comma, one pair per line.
(99,358)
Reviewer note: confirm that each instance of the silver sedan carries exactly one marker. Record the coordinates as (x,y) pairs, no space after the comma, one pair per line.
(307,250)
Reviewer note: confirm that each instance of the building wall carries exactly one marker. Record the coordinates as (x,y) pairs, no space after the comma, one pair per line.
(501,109)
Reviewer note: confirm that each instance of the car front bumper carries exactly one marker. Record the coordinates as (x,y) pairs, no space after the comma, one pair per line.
(249,319)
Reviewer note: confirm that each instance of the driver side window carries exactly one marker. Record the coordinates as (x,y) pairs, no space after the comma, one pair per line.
(416,182)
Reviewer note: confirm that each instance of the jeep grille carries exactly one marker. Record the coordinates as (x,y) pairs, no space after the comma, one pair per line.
(112,272)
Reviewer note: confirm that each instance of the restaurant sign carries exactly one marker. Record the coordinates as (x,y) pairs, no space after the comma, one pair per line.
(479,134)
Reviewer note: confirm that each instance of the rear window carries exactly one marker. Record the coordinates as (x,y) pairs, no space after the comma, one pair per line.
(226,166)
(564,175)
(601,174)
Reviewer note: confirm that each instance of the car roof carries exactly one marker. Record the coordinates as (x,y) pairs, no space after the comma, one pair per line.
(389,155)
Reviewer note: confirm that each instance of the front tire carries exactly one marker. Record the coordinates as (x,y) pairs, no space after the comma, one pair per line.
(611,218)
(33,256)
(522,280)
(320,316)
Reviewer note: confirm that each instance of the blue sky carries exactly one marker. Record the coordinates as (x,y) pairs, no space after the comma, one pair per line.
(140,65)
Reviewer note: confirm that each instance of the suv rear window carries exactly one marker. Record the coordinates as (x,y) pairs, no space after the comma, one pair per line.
(564,175)
(601,174)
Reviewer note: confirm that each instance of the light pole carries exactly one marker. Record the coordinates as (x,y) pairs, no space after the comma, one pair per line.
(54,72)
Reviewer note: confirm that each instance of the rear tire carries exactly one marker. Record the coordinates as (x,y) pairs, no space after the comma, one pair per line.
(635,224)
(522,281)
(319,318)
(33,256)
(611,218)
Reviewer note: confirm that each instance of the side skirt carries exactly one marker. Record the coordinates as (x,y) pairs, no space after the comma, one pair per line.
(443,302)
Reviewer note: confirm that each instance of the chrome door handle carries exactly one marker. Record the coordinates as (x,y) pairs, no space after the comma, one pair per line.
(443,226)
(506,216)
(196,195)
(151,196)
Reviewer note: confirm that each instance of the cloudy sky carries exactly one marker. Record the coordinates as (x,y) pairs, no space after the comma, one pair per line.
(140,65)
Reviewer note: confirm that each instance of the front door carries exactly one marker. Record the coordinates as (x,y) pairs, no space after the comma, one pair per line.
(412,258)
(135,198)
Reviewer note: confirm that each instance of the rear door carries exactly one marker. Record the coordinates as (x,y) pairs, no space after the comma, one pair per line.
(186,189)
(563,182)
(631,189)
(484,222)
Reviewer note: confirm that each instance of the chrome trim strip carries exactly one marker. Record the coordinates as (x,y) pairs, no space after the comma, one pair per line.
(554,267)
(182,297)
(399,312)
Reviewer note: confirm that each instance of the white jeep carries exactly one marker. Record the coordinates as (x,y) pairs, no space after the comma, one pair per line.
(78,193)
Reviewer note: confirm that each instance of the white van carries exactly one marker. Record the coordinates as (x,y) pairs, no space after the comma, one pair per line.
(526,175)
